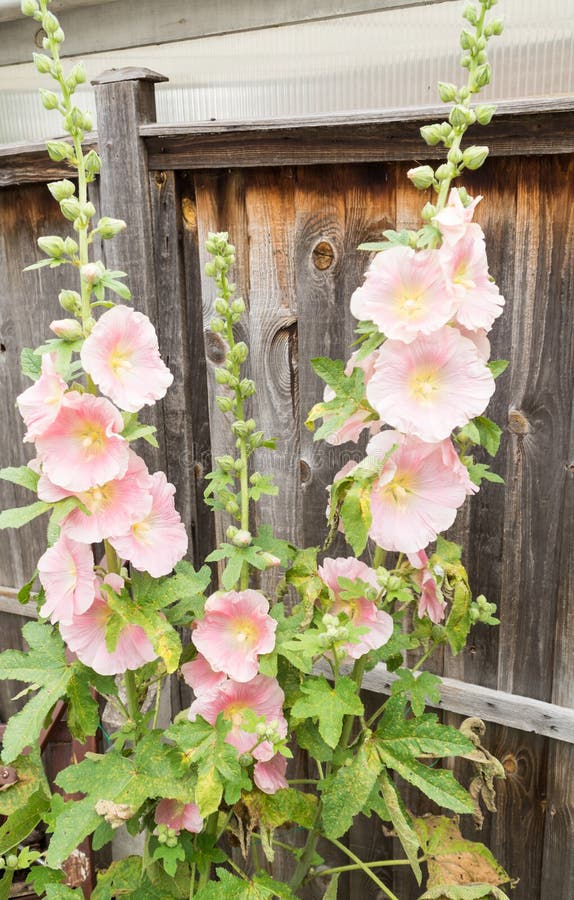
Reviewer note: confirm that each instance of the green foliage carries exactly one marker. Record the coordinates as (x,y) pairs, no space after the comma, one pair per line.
(134,429)
(31,780)
(285,806)
(346,793)
(23,820)
(418,688)
(148,615)
(22,475)
(402,823)
(484,433)
(30,363)
(349,397)
(329,704)
(497,366)
(39,877)
(21,515)
(230,887)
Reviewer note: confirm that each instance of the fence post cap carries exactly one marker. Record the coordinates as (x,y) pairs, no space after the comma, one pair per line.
(129,73)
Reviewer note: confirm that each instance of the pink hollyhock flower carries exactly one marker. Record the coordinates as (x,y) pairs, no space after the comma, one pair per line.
(113,507)
(416,495)
(235,631)
(85,636)
(66,572)
(199,675)
(431,386)
(362,613)
(40,404)
(122,357)
(177,815)
(430,603)
(356,422)
(270,776)
(83,448)
(452,460)
(478,338)
(157,542)
(261,696)
(404,294)
(477,299)
(454,220)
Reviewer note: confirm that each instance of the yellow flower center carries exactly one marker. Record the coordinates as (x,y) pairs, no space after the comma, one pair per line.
(245,631)
(234,713)
(119,360)
(424,385)
(92,437)
(141,529)
(97,497)
(411,302)
(399,488)
(461,277)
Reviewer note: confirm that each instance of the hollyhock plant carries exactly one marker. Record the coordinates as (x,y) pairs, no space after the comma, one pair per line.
(430,602)
(362,613)
(66,572)
(113,507)
(262,696)
(270,776)
(431,386)
(158,541)
(83,447)
(85,635)
(200,676)
(416,495)
(478,301)
(454,220)
(179,816)
(121,355)
(40,404)
(235,631)
(363,417)
(404,294)
(478,338)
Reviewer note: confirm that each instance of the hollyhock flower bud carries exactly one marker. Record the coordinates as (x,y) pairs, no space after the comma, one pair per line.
(29,7)
(66,572)
(108,228)
(157,542)
(428,387)
(61,190)
(121,355)
(234,632)
(422,177)
(241,538)
(92,272)
(270,776)
(430,602)
(473,157)
(67,329)
(178,816)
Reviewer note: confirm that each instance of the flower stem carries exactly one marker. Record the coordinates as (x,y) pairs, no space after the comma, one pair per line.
(321,873)
(364,868)
(132,694)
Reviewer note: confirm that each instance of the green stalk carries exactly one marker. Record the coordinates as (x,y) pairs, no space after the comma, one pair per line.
(322,873)
(364,868)
(132,694)
(357,676)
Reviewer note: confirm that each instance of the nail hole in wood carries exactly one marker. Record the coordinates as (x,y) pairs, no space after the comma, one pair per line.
(2,348)
(39,37)
(215,347)
(323,255)
(305,471)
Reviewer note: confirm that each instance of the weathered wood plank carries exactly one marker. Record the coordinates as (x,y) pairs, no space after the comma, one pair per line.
(25,163)
(176,20)
(518,128)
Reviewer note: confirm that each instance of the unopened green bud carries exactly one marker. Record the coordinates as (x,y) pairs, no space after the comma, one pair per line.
(67,329)
(242,538)
(59,150)
(71,208)
(108,228)
(467,40)
(217,325)
(210,269)
(59,36)
(394,583)
(447,91)
(50,23)
(473,157)
(470,14)
(70,246)
(42,62)
(92,164)
(86,122)
(481,76)
(496,26)
(220,263)
(240,429)
(428,212)
(78,73)
(221,306)
(232,507)
(171,841)
(240,352)
(11,861)
(447,170)
(225,404)
(238,305)
(52,245)
(89,210)
(222,376)
(70,301)
(431,134)
(270,560)
(484,113)
(49,99)
(246,388)
(458,116)
(92,272)
(62,190)
(422,177)
(245,760)
(455,156)
(29,7)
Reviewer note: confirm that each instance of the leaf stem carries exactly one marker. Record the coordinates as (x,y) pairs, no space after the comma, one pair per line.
(364,868)
(320,873)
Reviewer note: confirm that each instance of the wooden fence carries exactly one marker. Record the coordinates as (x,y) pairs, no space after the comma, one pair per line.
(297,198)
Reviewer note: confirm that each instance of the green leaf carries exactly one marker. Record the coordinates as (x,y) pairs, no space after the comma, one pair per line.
(331,892)
(329,705)
(41,876)
(21,515)
(423,736)
(83,711)
(22,821)
(459,621)
(480,471)
(29,362)
(418,687)
(209,788)
(6,884)
(230,887)
(346,793)
(134,429)
(22,475)
(309,739)
(286,805)
(484,432)
(497,366)
(464,892)
(402,823)
(448,550)
(169,857)
(62,892)
(332,372)
(121,879)
(25,592)
(163,637)
(356,516)
(438,784)
(31,780)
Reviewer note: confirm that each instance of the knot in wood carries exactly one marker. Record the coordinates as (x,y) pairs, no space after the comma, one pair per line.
(323,255)
(189,213)
(160,178)
(510,764)
(517,422)
(304,471)
(215,348)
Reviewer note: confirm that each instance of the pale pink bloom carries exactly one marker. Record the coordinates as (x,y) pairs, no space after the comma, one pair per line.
(83,448)
(178,816)
(235,631)
(362,613)
(40,403)
(122,357)
(452,460)
(269,776)
(454,220)
(113,506)
(356,422)
(478,338)
(199,675)
(477,299)
(262,696)
(430,603)
(66,572)
(404,294)
(157,542)
(431,386)
(416,495)
(85,636)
